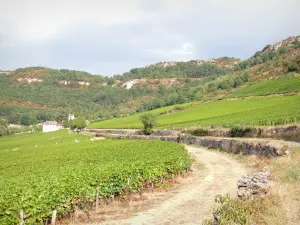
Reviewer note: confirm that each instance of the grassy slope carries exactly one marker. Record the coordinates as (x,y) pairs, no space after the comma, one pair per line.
(133,121)
(268,87)
(40,172)
(261,111)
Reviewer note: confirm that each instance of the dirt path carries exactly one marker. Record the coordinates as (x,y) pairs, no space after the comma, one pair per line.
(192,203)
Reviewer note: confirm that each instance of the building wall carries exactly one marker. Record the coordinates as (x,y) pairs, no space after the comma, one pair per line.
(49,128)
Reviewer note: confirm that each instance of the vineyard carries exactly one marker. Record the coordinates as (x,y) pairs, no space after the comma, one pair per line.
(133,121)
(268,87)
(62,171)
(245,112)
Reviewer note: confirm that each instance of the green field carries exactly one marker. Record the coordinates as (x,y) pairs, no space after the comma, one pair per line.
(268,87)
(58,170)
(254,111)
(133,121)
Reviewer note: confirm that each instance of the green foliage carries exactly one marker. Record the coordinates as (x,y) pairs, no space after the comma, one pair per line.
(149,121)
(296,43)
(241,112)
(25,120)
(199,132)
(132,121)
(3,130)
(78,123)
(240,131)
(247,112)
(237,211)
(293,67)
(52,99)
(46,171)
(282,49)
(267,87)
(180,69)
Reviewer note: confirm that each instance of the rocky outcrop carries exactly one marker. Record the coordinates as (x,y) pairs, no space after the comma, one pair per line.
(285,42)
(255,184)
(30,80)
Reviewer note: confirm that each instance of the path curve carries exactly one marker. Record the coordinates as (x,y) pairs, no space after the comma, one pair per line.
(192,203)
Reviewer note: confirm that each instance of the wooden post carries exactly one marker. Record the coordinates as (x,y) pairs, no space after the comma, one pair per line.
(22,217)
(53,219)
(97,201)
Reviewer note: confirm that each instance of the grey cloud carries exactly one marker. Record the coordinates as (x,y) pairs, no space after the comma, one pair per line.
(203,29)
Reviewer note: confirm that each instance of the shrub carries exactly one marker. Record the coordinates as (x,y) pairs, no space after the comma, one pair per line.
(199,132)
(78,123)
(238,211)
(240,131)
(282,49)
(293,67)
(149,122)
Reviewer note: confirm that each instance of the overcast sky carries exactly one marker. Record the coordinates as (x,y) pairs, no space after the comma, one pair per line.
(110,37)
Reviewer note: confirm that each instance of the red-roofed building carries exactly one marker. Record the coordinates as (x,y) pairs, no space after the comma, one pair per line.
(50,126)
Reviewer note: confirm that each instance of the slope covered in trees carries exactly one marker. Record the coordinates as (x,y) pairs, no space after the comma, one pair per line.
(35,94)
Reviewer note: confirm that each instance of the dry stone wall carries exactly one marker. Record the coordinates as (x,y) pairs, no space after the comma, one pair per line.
(291,133)
(229,145)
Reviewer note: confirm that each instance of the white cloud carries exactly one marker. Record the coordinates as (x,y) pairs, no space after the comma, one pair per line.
(40,19)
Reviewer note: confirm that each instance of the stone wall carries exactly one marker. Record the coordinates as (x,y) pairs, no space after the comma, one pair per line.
(287,132)
(229,145)
(290,133)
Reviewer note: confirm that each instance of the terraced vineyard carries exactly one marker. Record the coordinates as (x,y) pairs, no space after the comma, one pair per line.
(253,111)
(268,87)
(133,121)
(43,172)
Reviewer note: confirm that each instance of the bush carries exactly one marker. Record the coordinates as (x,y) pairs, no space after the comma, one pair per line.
(149,122)
(239,131)
(238,211)
(282,49)
(199,132)
(25,120)
(78,123)
(293,67)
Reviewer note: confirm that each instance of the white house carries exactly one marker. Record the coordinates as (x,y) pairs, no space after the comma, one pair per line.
(71,117)
(50,126)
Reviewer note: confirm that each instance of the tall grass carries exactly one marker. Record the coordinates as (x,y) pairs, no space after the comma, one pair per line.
(280,206)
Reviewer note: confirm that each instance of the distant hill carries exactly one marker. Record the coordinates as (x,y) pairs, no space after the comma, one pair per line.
(190,69)
(35,94)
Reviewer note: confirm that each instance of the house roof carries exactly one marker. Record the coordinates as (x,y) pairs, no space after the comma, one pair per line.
(50,123)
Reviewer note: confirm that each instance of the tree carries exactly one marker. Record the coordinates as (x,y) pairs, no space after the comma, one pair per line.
(293,67)
(282,49)
(110,81)
(78,123)
(296,43)
(3,127)
(149,122)
(32,118)
(25,120)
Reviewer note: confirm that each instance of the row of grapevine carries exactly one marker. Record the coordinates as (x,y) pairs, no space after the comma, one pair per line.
(40,173)
(264,111)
